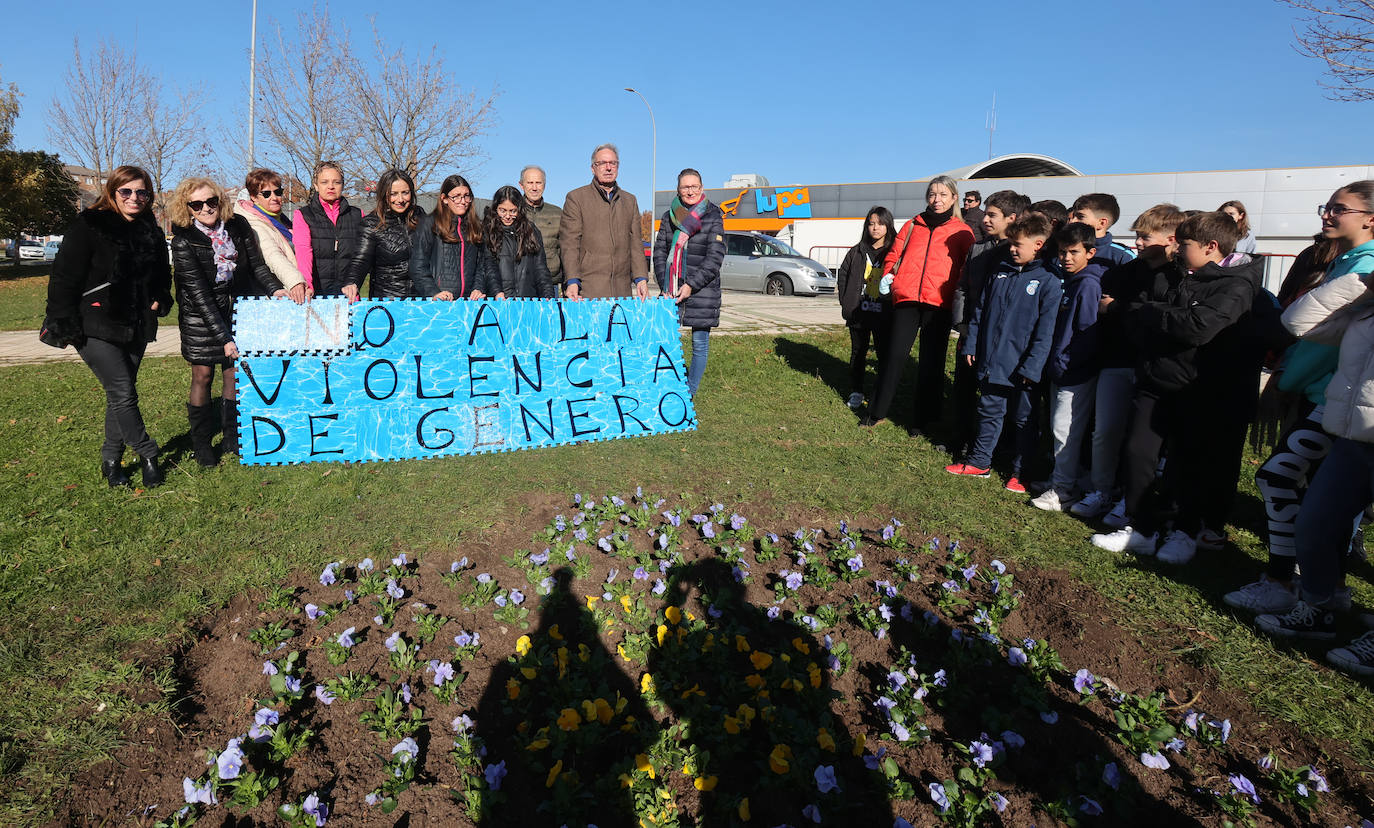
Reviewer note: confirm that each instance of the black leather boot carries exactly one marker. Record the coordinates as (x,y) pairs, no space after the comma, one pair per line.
(113,473)
(152,475)
(230,415)
(202,420)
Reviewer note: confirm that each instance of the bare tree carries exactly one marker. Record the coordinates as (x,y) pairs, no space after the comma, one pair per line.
(303,96)
(414,115)
(1341,34)
(9,111)
(91,119)
(171,137)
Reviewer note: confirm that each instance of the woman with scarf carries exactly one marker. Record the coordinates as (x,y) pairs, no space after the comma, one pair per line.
(215,257)
(388,232)
(262,210)
(109,284)
(687,254)
(517,250)
(447,261)
(921,270)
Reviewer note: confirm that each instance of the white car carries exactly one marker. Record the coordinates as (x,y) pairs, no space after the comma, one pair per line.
(30,250)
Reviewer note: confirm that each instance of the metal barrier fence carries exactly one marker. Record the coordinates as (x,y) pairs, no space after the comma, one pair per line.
(831,254)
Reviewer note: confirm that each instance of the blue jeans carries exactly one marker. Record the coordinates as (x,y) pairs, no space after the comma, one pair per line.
(992,410)
(1338,493)
(701,345)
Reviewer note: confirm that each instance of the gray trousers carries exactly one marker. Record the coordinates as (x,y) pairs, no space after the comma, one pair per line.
(116,366)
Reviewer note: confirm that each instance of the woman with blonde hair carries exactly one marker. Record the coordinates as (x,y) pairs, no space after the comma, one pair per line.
(325,232)
(215,257)
(109,284)
(921,270)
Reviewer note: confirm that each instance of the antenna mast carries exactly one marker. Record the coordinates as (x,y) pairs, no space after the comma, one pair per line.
(991,123)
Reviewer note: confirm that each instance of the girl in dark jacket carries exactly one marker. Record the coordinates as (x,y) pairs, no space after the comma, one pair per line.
(215,257)
(687,254)
(867,312)
(388,232)
(325,232)
(109,284)
(517,250)
(447,260)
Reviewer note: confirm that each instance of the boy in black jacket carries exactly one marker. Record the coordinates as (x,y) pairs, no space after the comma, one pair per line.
(1176,336)
(1008,343)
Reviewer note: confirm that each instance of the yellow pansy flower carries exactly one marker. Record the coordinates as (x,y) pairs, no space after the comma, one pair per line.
(603,711)
(760,660)
(513,689)
(780,760)
(741,643)
(705,783)
(553,773)
(661,633)
(673,614)
(626,603)
(646,684)
(537,744)
(643,764)
(814,672)
(588,710)
(528,672)
(694,690)
(731,725)
(802,646)
(825,740)
(591,601)
(568,720)
(583,653)
(554,633)
(754,680)
(746,713)
(744,809)
(859,742)
(522,645)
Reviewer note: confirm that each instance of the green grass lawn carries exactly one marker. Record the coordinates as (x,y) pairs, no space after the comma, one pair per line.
(101,586)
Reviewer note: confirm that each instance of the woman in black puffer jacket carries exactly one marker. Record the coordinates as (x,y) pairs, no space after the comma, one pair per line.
(388,231)
(687,254)
(519,270)
(215,257)
(109,284)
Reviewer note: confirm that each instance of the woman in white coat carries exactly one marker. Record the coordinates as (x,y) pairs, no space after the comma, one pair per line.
(262,208)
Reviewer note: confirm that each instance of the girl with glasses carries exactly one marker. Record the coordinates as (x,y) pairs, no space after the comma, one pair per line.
(325,233)
(447,260)
(516,249)
(215,257)
(110,282)
(387,237)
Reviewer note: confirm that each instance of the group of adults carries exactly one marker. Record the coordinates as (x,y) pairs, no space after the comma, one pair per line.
(111,280)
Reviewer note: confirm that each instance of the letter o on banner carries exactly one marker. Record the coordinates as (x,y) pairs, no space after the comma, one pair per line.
(390,326)
(681,406)
(367,379)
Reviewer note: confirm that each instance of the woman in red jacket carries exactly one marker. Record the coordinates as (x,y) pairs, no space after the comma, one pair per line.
(922,269)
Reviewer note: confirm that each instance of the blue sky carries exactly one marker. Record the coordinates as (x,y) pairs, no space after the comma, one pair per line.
(804,93)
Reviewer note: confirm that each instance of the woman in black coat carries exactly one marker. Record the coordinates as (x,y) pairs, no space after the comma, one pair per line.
(519,270)
(110,282)
(388,231)
(448,260)
(215,257)
(687,254)
(867,313)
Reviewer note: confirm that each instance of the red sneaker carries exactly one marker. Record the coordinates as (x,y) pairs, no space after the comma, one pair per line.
(965,470)
(1015,485)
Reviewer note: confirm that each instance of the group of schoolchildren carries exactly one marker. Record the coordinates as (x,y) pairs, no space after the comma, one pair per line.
(1148,368)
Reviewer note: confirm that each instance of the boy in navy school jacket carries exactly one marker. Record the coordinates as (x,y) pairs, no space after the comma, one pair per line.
(1008,344)
(1073,361)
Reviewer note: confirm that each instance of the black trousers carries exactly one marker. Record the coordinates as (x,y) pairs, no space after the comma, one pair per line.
(932,324)
(965,407)
(115,364)
(866,327)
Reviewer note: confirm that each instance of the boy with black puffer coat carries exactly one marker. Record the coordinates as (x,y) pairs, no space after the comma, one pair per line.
(1000,210)
(1009,343)
(1186,342)
(1073,361)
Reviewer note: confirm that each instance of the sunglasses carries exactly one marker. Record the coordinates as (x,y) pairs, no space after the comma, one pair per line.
(279,192)
(141,195)
(196,206)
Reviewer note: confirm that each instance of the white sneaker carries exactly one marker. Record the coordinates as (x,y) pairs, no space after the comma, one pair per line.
(1050,500)
(1116,518)
(1265,597)
(1092,506)
(1178,548)
(1126,539)
(855,400)
(1355,657)
(1211,539)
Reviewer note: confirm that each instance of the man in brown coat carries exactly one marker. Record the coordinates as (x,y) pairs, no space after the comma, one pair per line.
(545,216)
(598,236)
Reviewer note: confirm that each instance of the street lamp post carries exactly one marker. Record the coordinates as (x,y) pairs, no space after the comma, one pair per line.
(252,84)
(653,208)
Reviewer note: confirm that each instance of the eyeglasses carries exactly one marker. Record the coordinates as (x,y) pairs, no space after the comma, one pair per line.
(279,192)
(457,198)
(141,195)
(1338,210)
(606,164)
(507,213)
(196,206)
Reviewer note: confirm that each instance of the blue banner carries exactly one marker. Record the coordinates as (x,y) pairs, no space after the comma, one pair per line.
(389,379)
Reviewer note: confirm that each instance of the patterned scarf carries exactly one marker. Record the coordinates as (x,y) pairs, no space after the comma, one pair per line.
(686,222)
(275,218)
(226,256)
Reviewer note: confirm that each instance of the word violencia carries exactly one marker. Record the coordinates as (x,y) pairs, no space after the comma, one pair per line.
(392,379)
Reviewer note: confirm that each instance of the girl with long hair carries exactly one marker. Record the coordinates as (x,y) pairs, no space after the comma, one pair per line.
(387,238)
(867,312)
(447,260)
(516,249)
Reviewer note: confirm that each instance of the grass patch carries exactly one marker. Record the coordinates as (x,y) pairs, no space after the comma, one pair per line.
(100,585)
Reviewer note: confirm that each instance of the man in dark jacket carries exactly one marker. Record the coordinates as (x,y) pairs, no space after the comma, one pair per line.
(545,216)
(599,236)
(972,214)
(1192,328)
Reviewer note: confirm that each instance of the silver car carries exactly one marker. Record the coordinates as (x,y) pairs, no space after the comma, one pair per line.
(762,264)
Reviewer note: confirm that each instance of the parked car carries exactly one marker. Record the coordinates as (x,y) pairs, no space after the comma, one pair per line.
(50,250)
(30,250)
(763,264)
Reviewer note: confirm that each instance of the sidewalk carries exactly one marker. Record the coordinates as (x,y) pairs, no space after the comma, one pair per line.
(740,313)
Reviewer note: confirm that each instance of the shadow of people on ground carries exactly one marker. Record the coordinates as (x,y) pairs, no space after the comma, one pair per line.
(753,696)
(811,360)
(567,722)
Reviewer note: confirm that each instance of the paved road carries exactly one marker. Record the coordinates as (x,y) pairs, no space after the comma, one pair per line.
(740,313)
